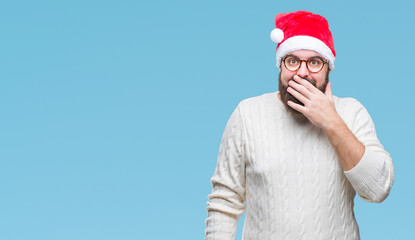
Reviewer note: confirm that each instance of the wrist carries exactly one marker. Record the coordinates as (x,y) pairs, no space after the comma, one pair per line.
(333,124)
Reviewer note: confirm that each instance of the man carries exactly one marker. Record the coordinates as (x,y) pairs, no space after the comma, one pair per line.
(298,156)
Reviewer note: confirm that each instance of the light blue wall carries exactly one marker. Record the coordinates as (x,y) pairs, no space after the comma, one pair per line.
(112,112)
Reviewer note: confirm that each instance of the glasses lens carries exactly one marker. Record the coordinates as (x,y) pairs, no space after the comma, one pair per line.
(315,64)
(292,63)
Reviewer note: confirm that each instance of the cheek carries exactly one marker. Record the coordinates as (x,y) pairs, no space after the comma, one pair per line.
(320,80)
(285,76)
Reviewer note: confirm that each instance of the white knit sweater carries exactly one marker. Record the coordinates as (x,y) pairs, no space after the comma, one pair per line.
(289,175)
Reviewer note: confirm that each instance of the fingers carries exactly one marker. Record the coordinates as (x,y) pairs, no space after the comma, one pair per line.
(328,90)
(297,95)
(297,107)
(300,88)
(305,83)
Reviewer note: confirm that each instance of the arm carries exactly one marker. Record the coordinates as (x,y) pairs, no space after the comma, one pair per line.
(349,150)
(373,176)
(226,202)
(366,164)
(320,110)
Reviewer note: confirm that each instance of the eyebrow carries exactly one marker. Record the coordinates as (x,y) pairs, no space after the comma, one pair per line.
(292,55)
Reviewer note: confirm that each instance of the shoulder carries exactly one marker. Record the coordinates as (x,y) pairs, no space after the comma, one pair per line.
(351,111)
(347,105)
(255,102)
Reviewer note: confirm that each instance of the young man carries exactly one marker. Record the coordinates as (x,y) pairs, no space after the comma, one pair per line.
(298,156)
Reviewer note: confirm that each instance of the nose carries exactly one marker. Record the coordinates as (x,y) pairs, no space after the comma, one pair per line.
(303,71)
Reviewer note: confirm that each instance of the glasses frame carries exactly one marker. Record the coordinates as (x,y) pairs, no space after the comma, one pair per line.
(301,62)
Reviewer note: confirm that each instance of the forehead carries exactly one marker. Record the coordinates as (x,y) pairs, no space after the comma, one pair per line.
(304,54)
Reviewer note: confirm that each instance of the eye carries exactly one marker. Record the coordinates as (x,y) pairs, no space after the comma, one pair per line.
(292,61)
(315,62)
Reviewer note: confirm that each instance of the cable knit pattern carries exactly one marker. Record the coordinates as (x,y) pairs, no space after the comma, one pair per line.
(289,176)
(315,181)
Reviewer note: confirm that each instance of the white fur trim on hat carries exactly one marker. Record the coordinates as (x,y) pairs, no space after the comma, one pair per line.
(307,43)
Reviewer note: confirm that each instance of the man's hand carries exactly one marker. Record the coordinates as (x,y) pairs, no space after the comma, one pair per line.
(319,109)
(318,106)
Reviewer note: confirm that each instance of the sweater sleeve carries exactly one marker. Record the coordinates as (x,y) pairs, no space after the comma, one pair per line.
(226,202)
(373,176)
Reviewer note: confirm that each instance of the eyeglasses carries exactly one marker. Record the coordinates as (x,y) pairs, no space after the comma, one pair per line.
(293,63)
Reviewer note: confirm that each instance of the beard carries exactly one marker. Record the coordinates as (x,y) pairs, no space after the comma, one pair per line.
(286,96)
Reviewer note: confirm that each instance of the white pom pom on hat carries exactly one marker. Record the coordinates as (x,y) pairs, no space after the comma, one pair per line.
(277,35)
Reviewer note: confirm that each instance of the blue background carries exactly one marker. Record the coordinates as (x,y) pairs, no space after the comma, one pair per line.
(112,112)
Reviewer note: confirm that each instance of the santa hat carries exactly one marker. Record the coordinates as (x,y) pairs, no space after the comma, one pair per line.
(303,30)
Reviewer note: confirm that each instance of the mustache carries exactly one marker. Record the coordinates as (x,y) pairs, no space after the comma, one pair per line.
(312,81)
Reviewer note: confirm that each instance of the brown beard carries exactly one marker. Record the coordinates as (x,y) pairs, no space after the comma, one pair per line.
(286,96)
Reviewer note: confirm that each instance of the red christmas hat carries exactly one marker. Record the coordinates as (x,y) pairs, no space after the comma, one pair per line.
(303,30)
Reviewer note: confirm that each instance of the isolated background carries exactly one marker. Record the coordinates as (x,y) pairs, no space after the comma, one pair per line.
(112,112)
